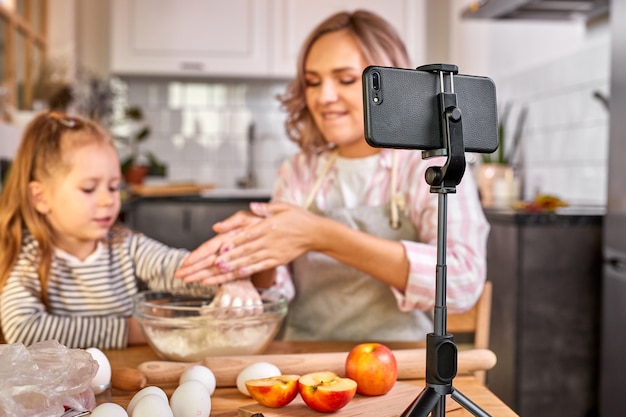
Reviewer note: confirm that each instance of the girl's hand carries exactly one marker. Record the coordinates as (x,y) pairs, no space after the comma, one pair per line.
(135,334)
(274,234)
(240,294)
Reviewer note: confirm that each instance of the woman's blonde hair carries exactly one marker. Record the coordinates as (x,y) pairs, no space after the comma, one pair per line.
(41,155)
(379,43)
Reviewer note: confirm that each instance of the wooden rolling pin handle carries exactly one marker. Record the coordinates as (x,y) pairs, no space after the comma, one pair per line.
(164,373)
(128,379)
(411,365)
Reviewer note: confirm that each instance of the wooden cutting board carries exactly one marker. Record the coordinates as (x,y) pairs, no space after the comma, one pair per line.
(391,404)
(165,190)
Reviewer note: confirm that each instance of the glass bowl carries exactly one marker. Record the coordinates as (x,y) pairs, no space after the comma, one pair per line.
(183,327)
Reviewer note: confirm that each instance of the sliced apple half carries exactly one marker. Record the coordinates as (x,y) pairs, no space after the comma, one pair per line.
(275,392)
(326,391)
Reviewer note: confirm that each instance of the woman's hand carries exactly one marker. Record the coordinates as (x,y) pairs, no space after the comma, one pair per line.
(201,262)
(273,234)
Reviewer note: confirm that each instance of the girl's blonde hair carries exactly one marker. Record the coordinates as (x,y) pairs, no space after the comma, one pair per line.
(41,155)
(379,43)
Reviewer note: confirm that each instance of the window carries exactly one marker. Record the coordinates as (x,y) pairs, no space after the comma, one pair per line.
(22,48)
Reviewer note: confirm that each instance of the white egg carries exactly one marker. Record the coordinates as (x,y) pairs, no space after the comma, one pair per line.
(149,390)
(152,405)
(199,373)
(102,380)
(256,370)
(109,410)
(191,399)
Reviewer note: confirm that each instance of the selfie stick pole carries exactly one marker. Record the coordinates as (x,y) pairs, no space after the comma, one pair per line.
(441,352)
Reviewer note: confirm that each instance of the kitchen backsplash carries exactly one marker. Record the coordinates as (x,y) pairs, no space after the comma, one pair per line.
(565,137)
(201,128)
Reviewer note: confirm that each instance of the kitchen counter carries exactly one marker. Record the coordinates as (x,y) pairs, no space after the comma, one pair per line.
(563,216)
(546,275)
(212,194)
(226,401)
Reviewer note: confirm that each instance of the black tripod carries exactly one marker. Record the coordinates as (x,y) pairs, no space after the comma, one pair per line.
(441,352)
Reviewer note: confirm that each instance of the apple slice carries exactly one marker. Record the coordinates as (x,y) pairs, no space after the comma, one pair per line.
(275,392)
(325,391)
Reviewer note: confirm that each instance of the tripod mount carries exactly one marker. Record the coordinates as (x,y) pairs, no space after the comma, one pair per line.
(441,351)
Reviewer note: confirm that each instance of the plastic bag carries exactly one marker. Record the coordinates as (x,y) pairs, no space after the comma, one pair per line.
(45,378)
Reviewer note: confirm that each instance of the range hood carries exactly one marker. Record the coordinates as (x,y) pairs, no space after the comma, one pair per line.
(584,10)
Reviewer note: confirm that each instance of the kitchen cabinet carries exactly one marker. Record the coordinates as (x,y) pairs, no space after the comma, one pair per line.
(194,37)
(294,19)
(546,275)
(183,222)
(238,38)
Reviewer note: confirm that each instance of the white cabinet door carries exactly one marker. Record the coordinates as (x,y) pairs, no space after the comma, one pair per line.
(190,37)
(294,19)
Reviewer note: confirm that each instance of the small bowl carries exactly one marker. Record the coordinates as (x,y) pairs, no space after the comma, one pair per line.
(182,327)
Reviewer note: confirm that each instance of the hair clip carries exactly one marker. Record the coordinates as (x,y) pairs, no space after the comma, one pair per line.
(69,122)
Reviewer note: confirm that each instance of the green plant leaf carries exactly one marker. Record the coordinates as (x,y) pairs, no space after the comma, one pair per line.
(143,134)
(127,163)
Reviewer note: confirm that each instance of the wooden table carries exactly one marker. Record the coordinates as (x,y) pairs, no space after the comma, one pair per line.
(226,401)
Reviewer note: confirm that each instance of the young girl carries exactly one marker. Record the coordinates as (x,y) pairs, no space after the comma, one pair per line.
(67,270)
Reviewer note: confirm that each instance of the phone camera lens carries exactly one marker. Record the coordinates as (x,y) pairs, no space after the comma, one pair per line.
(376,81)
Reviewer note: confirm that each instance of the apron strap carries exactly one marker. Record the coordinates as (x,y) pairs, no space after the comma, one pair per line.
(320,178)
(394,197)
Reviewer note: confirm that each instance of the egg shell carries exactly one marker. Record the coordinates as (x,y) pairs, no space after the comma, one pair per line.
(109,410)
(152,405)
(191,399)
(102,379)
(150,390)
(199,373)
(255,370)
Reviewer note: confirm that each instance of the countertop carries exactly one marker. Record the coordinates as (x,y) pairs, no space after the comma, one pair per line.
(214,194)
(572,215)
(226,401)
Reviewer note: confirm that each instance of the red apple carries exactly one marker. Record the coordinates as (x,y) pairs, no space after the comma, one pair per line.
(325,391)
(275,392)
(373,366)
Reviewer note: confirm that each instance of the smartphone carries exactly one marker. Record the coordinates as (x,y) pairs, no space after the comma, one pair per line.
(401,108)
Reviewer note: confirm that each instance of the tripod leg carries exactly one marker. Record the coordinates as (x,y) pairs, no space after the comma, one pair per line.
(468,404)
(428,400)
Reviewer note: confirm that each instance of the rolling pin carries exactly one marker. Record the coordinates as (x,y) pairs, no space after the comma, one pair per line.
(411,365)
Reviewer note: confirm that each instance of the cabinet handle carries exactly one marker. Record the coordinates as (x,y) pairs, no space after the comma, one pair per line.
(191,66)
(186,220)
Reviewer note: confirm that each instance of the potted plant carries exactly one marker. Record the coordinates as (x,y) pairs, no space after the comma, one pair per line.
(130,132)
(495,176)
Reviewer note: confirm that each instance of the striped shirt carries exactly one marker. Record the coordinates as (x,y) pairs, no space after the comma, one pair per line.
(467,227)
(90,301)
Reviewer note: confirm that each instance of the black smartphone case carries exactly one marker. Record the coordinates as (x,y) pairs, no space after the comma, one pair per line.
(403,110)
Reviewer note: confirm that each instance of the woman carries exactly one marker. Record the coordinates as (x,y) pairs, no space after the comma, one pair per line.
(351,227)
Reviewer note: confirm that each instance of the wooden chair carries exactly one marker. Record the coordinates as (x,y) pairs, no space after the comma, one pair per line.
(476,323)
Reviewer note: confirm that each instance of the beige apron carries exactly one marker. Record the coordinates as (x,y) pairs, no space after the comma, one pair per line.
(334,301)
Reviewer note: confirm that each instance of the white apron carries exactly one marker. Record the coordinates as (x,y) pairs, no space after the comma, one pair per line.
(335,301)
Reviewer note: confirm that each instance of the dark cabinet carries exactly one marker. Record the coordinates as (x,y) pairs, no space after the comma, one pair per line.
(182,222)
(546,274)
